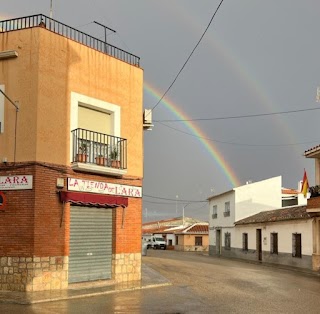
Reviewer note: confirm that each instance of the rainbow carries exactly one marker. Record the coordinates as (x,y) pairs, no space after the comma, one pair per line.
(197,132)
(247,75)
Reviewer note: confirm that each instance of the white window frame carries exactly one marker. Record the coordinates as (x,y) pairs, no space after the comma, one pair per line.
(96,104)
(226,209)
(214,211)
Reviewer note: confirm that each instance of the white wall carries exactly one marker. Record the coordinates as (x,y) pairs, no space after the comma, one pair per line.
(244,201)
(256,197)
(284,230)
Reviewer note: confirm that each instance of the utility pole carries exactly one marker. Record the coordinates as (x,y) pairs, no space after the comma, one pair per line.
(105,34)
(177,196)
(184,206)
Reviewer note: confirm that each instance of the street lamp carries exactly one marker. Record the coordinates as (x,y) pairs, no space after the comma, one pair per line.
(177,196)
(184,206)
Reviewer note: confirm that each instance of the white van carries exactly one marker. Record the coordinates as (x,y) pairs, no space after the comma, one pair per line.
(155,242)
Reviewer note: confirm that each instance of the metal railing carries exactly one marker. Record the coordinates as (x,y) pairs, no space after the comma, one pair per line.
(41,20)
(98,148)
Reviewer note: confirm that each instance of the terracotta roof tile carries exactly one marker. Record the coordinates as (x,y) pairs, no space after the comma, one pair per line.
(312,150)
(289,191)
(283,214)
(197,228)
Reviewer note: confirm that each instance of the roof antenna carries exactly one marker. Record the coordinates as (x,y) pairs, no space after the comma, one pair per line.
(50,9)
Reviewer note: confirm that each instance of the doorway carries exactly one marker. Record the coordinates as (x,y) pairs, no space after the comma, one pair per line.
(218,241)
(259,244)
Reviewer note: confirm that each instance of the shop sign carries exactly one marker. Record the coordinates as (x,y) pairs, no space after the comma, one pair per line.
(103,188)
(3,201)
(21,182)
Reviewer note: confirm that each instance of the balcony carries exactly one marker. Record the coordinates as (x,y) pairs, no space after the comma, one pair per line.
(226,214)
(98,152)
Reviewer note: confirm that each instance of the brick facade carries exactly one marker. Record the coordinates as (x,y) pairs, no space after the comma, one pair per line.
(35,227)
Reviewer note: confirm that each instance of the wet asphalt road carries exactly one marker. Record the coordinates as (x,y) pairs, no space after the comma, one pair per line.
(200,284)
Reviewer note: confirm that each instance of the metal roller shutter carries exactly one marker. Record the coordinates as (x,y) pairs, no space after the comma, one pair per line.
(90,244)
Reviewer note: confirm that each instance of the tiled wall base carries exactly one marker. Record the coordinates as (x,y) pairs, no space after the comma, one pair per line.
(34,273)
(126,267)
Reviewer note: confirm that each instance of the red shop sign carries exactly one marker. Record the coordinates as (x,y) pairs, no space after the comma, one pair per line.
(3,201)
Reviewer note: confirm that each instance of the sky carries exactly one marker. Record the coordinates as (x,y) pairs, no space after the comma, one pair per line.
(257,57)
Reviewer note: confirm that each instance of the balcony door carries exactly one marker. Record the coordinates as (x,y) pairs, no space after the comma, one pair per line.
(99,122)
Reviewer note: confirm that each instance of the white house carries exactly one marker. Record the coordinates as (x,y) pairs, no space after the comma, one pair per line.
(229,238)
(280,236)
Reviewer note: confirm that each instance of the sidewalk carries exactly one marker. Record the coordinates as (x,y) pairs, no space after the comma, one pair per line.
(150,279)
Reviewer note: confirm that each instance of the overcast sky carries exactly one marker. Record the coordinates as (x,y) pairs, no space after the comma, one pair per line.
(257,57)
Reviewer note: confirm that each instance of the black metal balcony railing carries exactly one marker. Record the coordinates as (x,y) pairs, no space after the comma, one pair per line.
(98,148)
(314,191)
(68,32)
(226,214)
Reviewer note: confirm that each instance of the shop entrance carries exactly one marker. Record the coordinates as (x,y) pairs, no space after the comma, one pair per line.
(90,244)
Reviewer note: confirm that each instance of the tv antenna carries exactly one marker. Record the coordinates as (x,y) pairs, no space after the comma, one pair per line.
(105,34)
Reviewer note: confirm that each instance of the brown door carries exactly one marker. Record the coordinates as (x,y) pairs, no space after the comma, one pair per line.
(218,242)
(259,244)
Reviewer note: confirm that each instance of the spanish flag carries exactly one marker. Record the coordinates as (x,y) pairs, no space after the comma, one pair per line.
(305,184)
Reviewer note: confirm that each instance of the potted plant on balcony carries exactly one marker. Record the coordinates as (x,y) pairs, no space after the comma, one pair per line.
(82,152)
(101,160)
(115,163)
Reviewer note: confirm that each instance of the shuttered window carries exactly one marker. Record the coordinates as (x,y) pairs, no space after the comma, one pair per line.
(94,120)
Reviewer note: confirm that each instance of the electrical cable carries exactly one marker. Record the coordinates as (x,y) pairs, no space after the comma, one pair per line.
(185,63)
(237,144)
(175,200)
(241,117)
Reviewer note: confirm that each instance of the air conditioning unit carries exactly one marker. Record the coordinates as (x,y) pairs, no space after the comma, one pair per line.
(147,119)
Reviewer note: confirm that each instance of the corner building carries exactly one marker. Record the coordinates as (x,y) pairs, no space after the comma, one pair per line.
(71,158)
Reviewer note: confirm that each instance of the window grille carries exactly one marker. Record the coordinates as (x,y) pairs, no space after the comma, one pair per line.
(198,241)
(214,211)
(226,209)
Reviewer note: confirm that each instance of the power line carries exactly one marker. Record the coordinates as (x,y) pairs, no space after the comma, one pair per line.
(242,116)
(161,203)
(234,143)
(171,199)
(185,63)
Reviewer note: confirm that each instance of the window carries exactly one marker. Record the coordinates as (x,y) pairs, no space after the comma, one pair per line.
(177,238)
(198,241)
(245,241)
(226,209)
(214,211)
(227,240)
(296,245)
(95,115)
(273,243)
